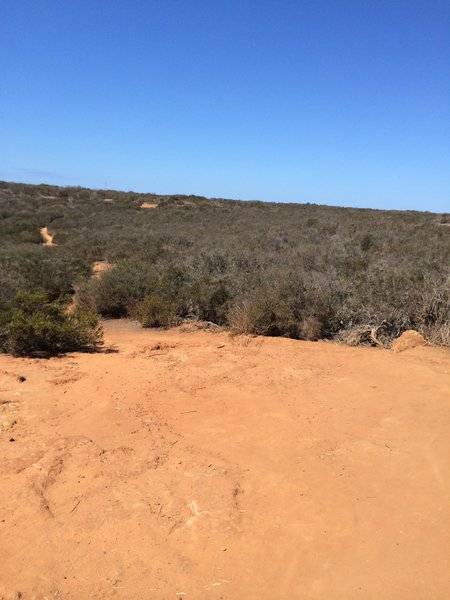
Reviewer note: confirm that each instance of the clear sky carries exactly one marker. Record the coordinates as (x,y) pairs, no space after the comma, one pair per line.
(331,101)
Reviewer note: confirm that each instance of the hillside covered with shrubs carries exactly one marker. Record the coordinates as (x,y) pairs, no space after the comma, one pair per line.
(298,270)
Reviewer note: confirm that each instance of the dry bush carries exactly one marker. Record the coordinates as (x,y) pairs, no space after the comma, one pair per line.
(362,335)
(311,328)
(154,311)
(240,318)
(437,336)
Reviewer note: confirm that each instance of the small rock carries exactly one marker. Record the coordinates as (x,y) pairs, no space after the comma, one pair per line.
(21,378)
(408,339)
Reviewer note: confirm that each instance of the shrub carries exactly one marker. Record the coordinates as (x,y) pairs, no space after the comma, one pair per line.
(208,300)
(155,311)
(311,328)
(264,312)
(166,303)
(367,242)
(33,325)
(120,288)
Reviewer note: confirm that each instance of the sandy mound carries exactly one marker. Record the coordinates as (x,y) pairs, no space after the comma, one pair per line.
(149,205)
(47,238)
(408,339)
(201,466)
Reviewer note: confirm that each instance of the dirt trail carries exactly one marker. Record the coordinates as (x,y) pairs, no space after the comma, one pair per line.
(149,205)
(195,465)
(99,267)
(47,238)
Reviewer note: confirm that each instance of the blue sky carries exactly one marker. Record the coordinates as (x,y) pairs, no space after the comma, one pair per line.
(332,101)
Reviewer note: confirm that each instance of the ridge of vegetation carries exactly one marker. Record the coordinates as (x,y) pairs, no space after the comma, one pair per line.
(299,270)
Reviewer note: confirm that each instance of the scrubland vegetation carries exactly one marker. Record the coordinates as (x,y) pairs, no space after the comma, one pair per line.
(34,325)
(303,271)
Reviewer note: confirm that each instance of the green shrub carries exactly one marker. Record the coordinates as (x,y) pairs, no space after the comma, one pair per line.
(208,300)
(33,325)
(155,311)
(264,312)
(120,288)
(166,303)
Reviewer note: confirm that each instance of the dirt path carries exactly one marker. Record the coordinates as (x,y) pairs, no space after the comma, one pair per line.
(194,465)
(99,267)
(47,238)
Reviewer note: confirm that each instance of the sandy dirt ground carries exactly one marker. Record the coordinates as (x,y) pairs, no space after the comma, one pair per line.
(194,465)
(149,205)
(47,238)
